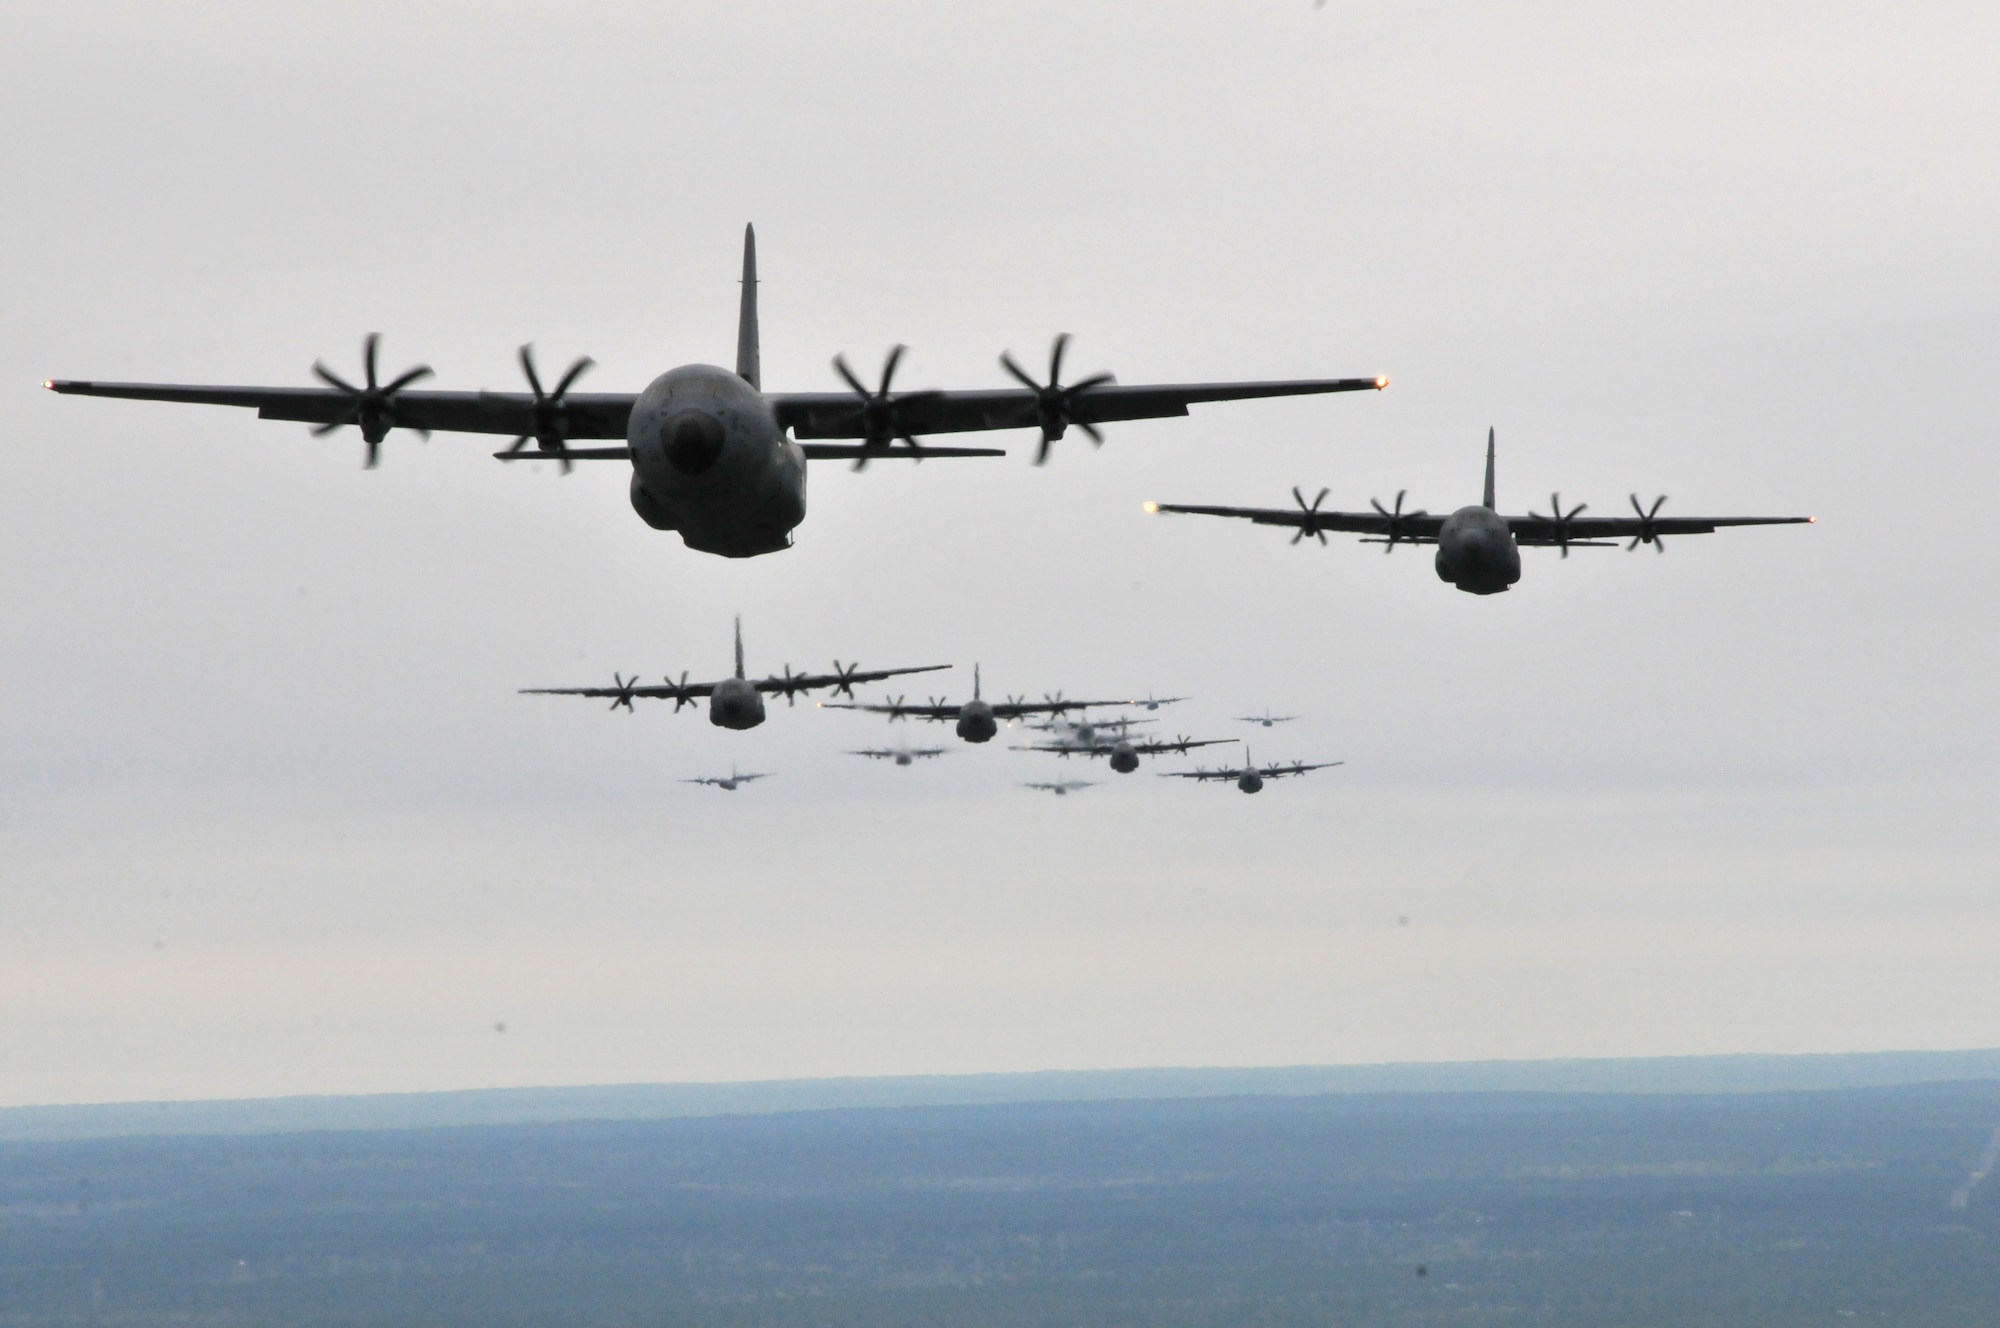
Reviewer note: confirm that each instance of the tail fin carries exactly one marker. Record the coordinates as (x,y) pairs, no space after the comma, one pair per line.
(1489,470)
(747,366)
(739,645)
(975,682)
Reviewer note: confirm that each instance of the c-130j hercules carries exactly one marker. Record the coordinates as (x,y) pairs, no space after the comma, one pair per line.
(713,455)
(1479,550)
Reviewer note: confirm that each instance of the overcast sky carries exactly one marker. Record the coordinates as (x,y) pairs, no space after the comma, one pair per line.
(273,820)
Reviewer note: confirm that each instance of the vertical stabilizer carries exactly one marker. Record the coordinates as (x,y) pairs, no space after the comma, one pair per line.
(739,645)
(1489,470)
(747,366)
(975,682)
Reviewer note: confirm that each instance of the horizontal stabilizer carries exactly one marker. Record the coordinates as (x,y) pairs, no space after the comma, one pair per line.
(569,453)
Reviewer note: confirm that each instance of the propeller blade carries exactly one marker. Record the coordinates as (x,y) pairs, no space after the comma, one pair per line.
(339,384)
(840,367)
(1020,374)
(583,365)
(896,353)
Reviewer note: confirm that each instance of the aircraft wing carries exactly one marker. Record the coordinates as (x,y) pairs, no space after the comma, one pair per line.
(1542,531)
(1052,706)
(1160,745)
(587,414)
(1408,527)
(652,692)
(937,714)
(1201,774)
(839,414)
(1280,770)
(843,680)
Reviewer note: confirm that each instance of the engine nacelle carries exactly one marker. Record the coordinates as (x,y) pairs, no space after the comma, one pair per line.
(710,461)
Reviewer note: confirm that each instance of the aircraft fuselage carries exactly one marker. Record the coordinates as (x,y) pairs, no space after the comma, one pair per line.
(735,704)
(1476,552)
(709,461)
(1250,781)
(1123,759)
(976,722)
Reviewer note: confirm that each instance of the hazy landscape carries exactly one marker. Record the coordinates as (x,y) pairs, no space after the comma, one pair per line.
(1448,1208)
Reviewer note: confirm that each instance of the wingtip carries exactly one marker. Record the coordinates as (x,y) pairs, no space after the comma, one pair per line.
(1381,382)
(1150,508)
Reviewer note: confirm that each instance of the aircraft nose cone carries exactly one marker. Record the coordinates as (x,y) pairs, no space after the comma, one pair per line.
(693,440)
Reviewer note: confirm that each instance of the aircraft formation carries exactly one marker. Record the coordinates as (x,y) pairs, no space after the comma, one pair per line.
(719,460)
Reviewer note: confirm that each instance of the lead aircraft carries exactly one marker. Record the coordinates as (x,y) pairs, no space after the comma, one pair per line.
(714,456)
(1478,550)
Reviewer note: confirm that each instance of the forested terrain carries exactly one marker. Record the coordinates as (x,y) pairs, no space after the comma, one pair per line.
(1460,1209)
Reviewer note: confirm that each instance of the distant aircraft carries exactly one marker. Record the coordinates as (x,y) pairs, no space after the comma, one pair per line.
(733,703)
(1252,776)
(1267,719)
(1479,551)
(1064,788)
(1090,729)
(1152,702)
(1124,753)
(976,720)
(903,755)
(713,455)
(729,781)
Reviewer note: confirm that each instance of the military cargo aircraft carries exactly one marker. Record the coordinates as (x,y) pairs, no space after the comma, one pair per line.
(1090,728)
(1064,788)
(1124,753)
(1478,550)
(736,702)
(1251,777)
(714,456)
(729,781)
(976,720)
(1267,719)
(904,755)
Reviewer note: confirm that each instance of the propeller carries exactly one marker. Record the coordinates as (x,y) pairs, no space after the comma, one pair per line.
(681,697)
(1395,520)
(1054,403)
(788,684)
(1057,705)
(881,412)
(1180,743)
(843,679)
(1561,519)
(896,715)
(1649,531)
(1310,525)
(624,686)
(550,416)
(371,408)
